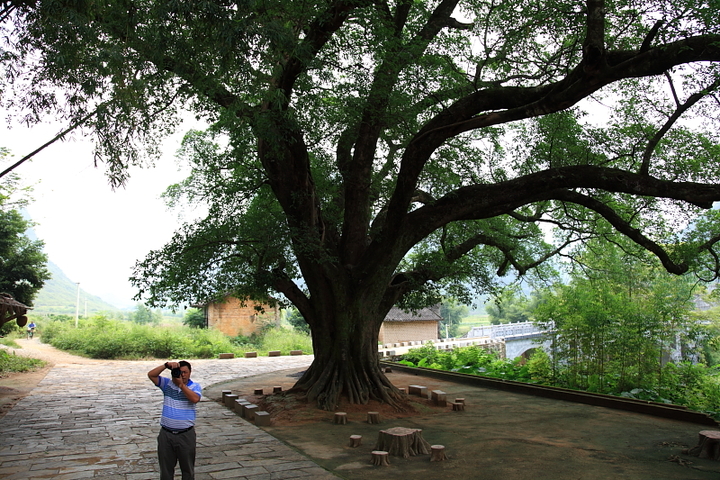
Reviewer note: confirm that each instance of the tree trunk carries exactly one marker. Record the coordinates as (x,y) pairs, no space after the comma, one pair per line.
(346,364)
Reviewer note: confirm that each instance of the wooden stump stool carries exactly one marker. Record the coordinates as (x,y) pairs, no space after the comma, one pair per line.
(419,390)
(437,453)
(355,440)
(262,419)
(458,407)
(249,411)
(439,398)
(708,445)
(340,418)
(388,370)
(240,406)
(373,418)
(460,400)
(402,390)
(225,392)
(402,442)
(277,389)
(380,458)
(229,400)
(258,391)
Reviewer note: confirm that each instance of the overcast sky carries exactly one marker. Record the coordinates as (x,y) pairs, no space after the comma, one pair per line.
(94,234)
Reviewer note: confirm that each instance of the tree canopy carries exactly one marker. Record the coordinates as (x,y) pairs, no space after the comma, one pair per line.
(366,154)
(23,264)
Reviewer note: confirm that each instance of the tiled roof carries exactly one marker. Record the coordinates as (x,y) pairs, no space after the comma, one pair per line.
(428,314)
(8,300)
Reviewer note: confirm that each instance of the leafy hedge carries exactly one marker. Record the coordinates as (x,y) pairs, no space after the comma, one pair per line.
(695,386)
(476,360)
(112,339)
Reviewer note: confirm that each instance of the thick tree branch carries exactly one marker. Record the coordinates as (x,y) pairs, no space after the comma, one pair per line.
(508,104)
(358,174)
(622,226)
(594,45)
(486,201)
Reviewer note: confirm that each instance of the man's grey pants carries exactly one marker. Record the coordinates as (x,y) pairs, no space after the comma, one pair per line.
(174,448)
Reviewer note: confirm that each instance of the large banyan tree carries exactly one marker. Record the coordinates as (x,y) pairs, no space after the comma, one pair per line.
(362,154)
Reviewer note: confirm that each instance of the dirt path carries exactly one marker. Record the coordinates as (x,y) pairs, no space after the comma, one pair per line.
(15,386)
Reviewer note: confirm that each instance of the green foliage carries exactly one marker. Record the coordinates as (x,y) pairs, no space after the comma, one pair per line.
(101,337)
(295,318)
(195,318)
(145,316)
(453,313)
(14,363)
(473,360)
(285,340)
(615,321)
(23,265)
(509,306)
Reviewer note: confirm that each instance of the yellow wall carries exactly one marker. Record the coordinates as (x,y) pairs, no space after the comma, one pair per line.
(233,319)
(394,332)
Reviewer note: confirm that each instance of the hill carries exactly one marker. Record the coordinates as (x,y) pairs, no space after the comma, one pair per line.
(59,296)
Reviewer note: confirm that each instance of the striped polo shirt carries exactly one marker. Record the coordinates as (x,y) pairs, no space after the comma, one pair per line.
(178,412)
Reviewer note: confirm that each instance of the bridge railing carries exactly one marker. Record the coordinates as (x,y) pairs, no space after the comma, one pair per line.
(505,330)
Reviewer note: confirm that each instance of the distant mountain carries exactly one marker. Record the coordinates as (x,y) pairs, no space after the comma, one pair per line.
(59,296)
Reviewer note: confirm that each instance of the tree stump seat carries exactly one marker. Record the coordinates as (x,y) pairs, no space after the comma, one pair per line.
(458,406)
(258,391)
(249,411)
(437,453)
(277,389)
(340,418)
(229,400)
(355,441)
(439,398)
(402,442)
(417,390)
(240,406)
(373,418)
(380,458)
(708,445)
(262,419)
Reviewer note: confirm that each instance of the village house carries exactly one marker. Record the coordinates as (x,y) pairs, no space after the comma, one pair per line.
(234,318)
(401,326)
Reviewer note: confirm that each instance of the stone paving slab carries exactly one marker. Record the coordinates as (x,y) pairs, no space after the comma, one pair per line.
(101,421)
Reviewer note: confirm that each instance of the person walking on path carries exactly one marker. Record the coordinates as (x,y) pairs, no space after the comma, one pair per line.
(176,441)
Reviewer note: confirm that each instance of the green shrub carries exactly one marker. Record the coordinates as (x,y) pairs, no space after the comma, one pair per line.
(285,340)
(15,363)
(101,337)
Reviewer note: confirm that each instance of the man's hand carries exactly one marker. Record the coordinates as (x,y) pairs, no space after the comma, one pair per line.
(154,374)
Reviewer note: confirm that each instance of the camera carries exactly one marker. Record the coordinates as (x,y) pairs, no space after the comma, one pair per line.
(175,372)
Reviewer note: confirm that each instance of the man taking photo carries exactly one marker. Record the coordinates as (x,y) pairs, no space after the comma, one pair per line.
(176,441)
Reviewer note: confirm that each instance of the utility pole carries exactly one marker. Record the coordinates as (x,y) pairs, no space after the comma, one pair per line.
(77,305)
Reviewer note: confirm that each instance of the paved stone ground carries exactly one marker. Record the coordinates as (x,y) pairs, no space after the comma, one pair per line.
(101,419)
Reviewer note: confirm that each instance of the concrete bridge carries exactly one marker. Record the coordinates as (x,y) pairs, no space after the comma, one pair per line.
(510,340)
(519,338)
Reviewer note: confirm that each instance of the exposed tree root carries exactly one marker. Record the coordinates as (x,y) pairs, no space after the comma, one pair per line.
(328,382)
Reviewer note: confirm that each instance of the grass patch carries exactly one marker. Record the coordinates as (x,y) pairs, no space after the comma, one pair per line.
(9,341)
(476,320)
(14,363)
